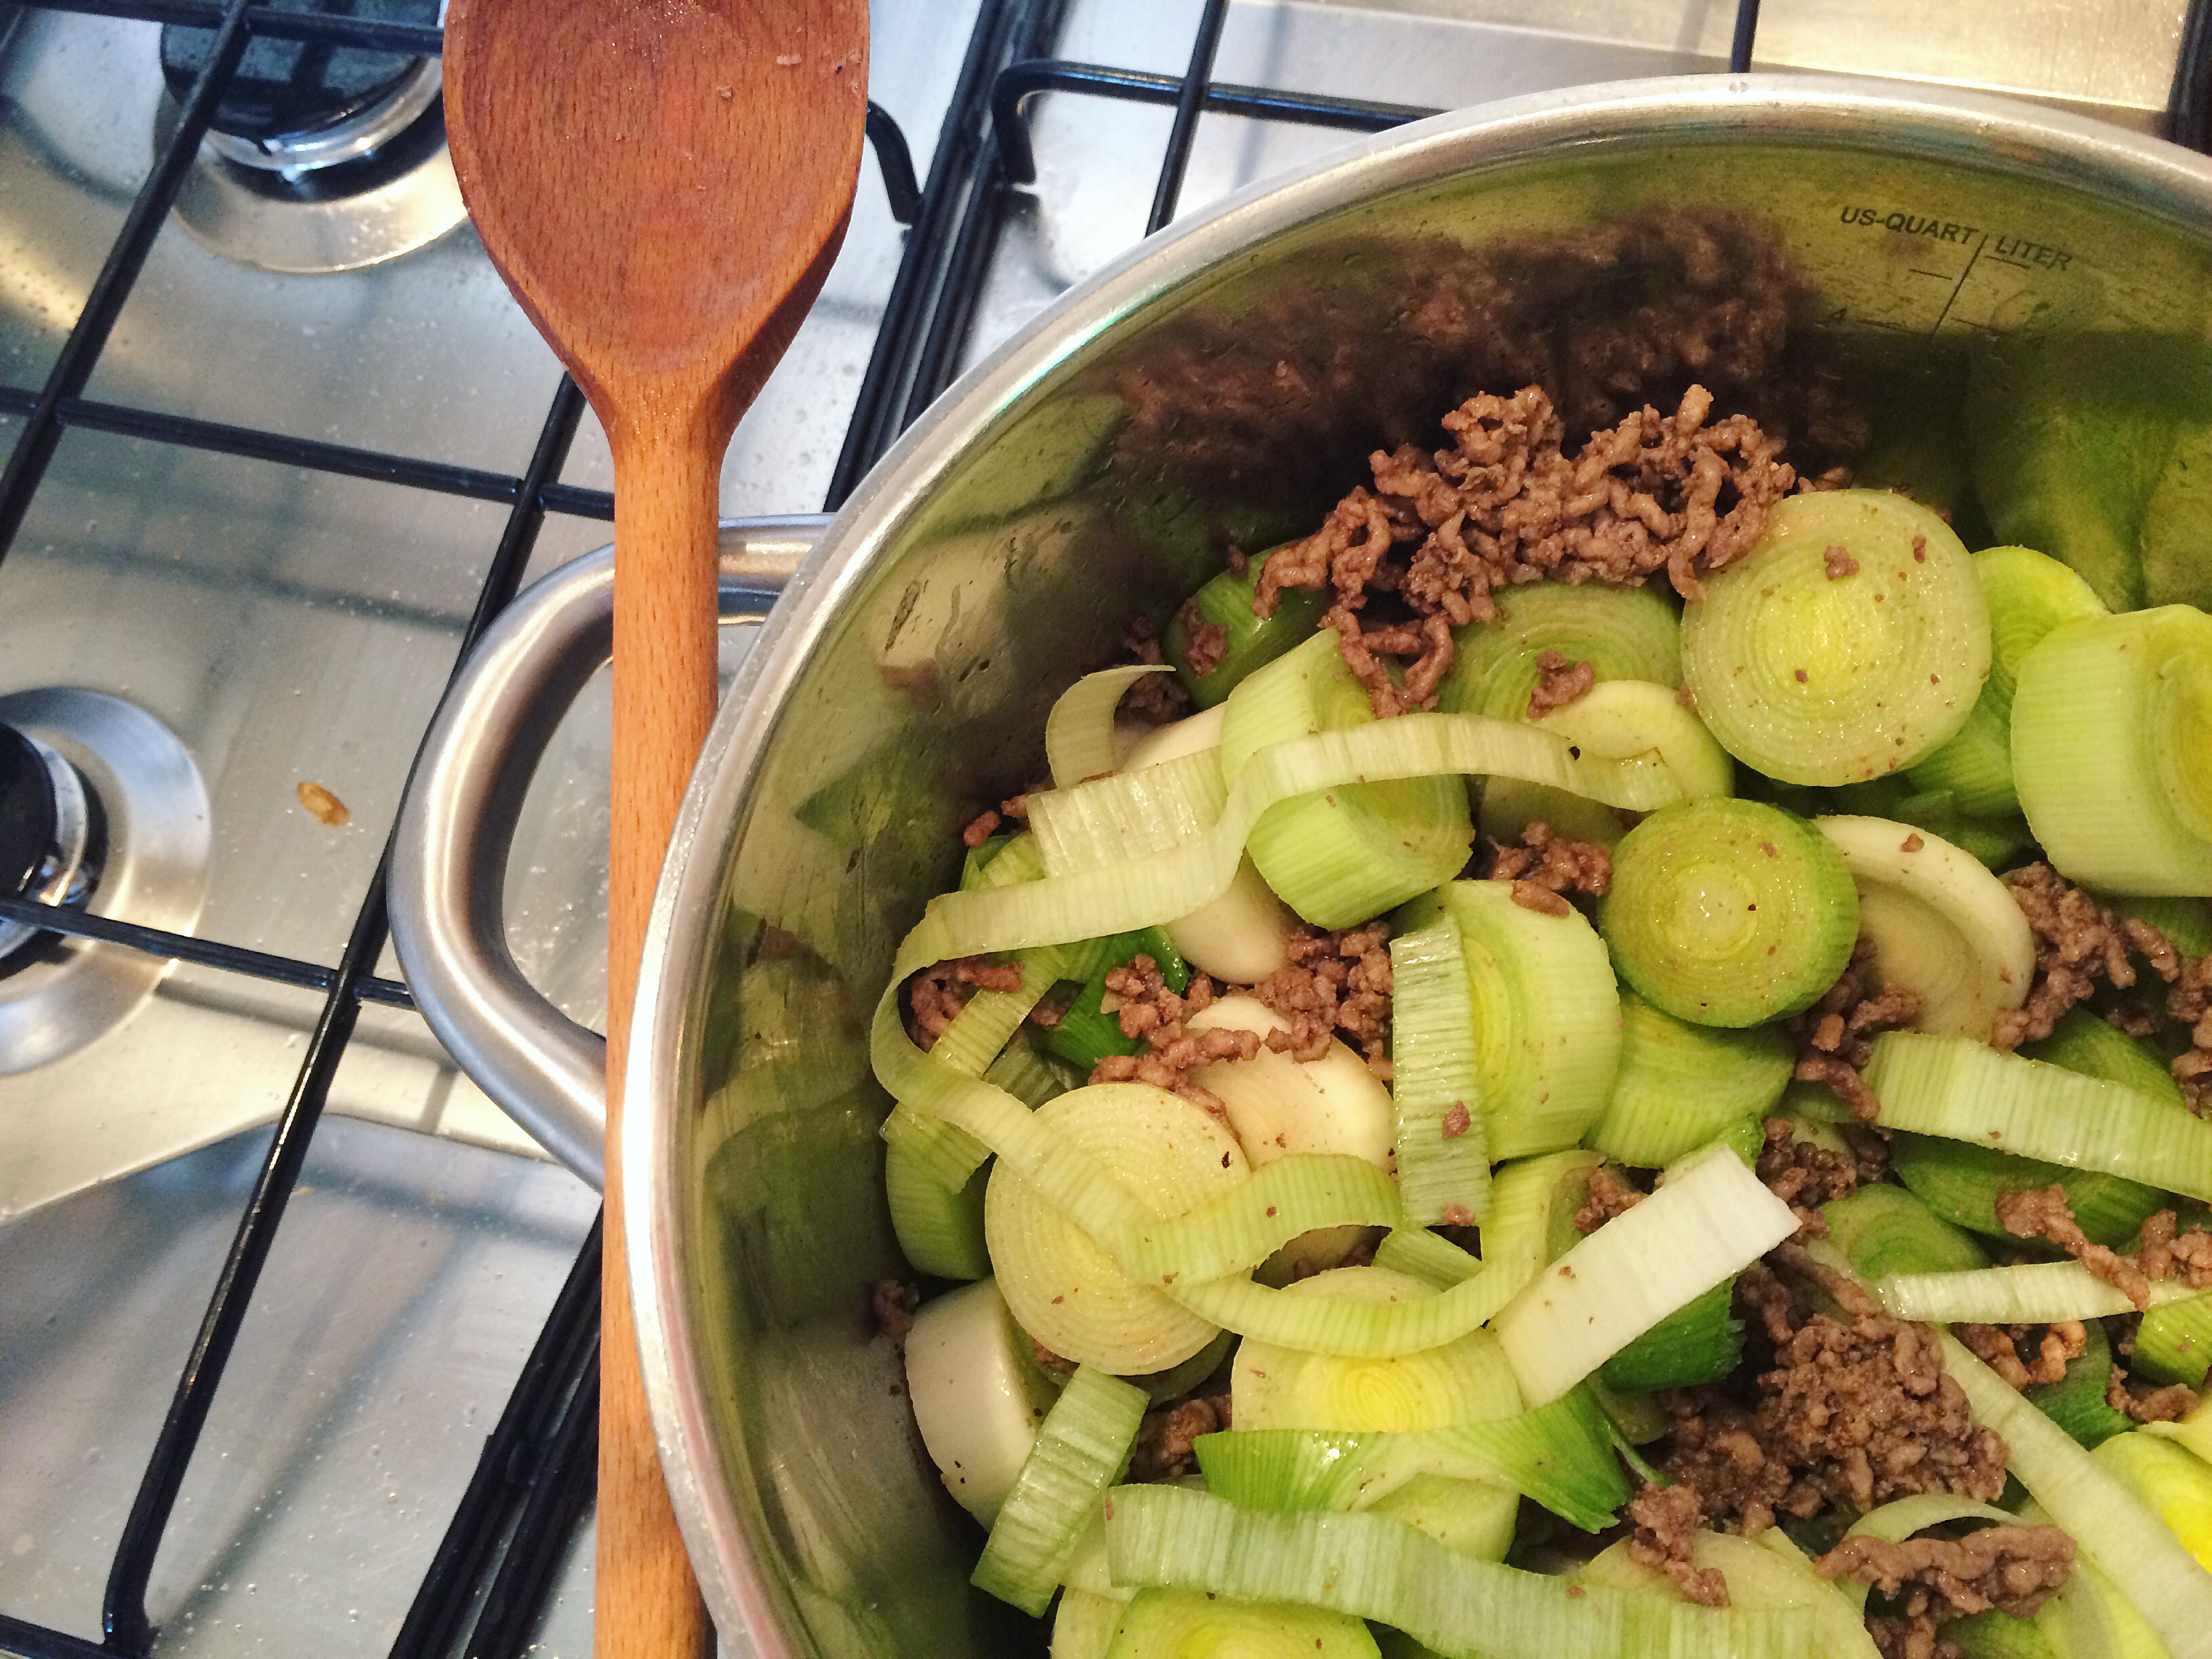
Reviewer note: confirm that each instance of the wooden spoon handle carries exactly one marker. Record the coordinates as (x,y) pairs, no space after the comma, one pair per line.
(647,1602)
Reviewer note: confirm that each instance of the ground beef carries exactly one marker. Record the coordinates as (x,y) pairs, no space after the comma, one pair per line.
(2022,1354)
(2165,1253)
(1855,1410)
(2188,1000)
(1507,504)
(2012,1569)
(2078,942)
(1838,562)
(1835,1036)
(1147,1009)
(985,824)
(1667,1520)
(892,1304)
(1609,1196)
(1164,1439)
(1156,699)
(1802,1174)
(2148,1405)
(1204,643)
(1456,1121)
(1048,1361)
(936,995)
(1558,682)
(1334,981)
(2044,1213)
(1543,867)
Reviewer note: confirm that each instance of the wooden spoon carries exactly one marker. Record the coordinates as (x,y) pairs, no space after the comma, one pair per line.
(663,184)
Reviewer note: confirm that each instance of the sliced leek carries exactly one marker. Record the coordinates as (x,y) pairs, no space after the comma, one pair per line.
(977,1394)
(1082,1448)
(1711,1219)
(2026,1293)
(1623,633)
(1962,1182)
(1163,1623)
(1444,1168)
(1079,733)
(1943,926)
(1852,642)
(1700,1342)
(939,1231)
(1729,911)
(1681,1085)
(1617,720)
(1886,1230)
(1251,640)
(1758,1575)
(1426,1256)
(1966,1091)
(2111,733)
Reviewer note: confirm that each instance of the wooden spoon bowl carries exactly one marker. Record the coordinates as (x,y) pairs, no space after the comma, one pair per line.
(664,184)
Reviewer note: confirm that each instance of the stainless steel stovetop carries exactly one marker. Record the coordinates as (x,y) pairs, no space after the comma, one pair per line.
(275,498)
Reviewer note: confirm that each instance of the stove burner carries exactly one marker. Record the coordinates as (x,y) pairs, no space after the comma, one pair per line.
(45,819)
(114,797)
(286,90)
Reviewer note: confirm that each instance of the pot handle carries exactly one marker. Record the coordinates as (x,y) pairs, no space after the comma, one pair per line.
(457,826)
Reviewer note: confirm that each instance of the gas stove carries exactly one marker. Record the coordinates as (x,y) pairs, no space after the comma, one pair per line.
(280,446)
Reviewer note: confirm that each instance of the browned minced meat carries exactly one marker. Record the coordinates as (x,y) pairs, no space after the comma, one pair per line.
(986,824)
(892,1304)
(1456,1121)
(2166,1253)
(1334,981)
(1667,1520)
(1558,682)
(1507,504)
(2188,1000)
(1204,643)
(2044,1213)
(1164,1439)
(936,995)
(1609,1196)
(1147,1009)
(1544,867)
(2078,942)
(1835,1036)
(1156,699)
(2001,1347)
(1048,1361)
(1856,1412)
(1802,1174)
(1838,562)
(2148,1405)
(2012,1569)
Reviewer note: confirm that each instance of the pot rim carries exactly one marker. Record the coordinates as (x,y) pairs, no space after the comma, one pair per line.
(2148,174)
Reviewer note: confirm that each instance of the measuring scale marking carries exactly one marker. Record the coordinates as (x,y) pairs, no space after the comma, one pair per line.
(1990,270)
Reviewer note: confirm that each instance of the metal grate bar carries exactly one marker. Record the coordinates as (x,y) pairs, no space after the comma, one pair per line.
(1022,82)
(2189,106)
(423,40)
(1747,27)
(1190,98)
(895,161)
(75,923)
(35,448)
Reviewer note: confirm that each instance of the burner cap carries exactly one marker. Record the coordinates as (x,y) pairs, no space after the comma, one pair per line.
(284,87)
(28,814)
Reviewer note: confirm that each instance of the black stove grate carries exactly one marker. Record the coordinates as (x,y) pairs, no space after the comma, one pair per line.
(484,1590)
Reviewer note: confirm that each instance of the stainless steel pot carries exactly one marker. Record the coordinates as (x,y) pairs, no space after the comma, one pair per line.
(1221,378)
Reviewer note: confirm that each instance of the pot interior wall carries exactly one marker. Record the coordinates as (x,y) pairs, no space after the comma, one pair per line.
(1237,407)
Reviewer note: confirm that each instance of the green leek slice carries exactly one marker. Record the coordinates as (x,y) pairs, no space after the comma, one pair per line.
(2029,594)
(1082,1627)
(1079,733)
(1886,1230)
(1427,1256)
(2173,1344)
(1943,928)
(1253,640)
(1967,1092)
(1700,1342)
(1533,1204)
(2112,735)
(1544,1015)
(1821,680)
(1681,1085)
(1338,856)
(1710,1219)
(1729,911)
(1470,1517)
(1962,1181)
(1373,1567)
(1443,1163)
(2109,1525)
(1160,1624)
(940,1233)
(1760,1573)
(1082,1448)
(1617,720)
(2026,1293)
(2076,1401)
(1623,633)
(2080,1041)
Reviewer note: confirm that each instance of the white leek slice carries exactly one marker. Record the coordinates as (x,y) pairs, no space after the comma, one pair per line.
(1757,1576)
(1129,815)
(1082,1448)
(1161,887)
(977,1393)
(2194,1431)
(1968,1092)
(2109,1526)
(1712,1219)
(1188,736)
(1079,733)
(1944,927)
(1160,1624)
(1285,1198)
(2026,1293)
(1357,1330)
(1277,1106)
(978,1034)
(1469,1518)
(1622,719)
(1443,1169)
(1083,1628)
(1373,1567)
(1062,1285)
(1466,1380)
(1426,1256)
